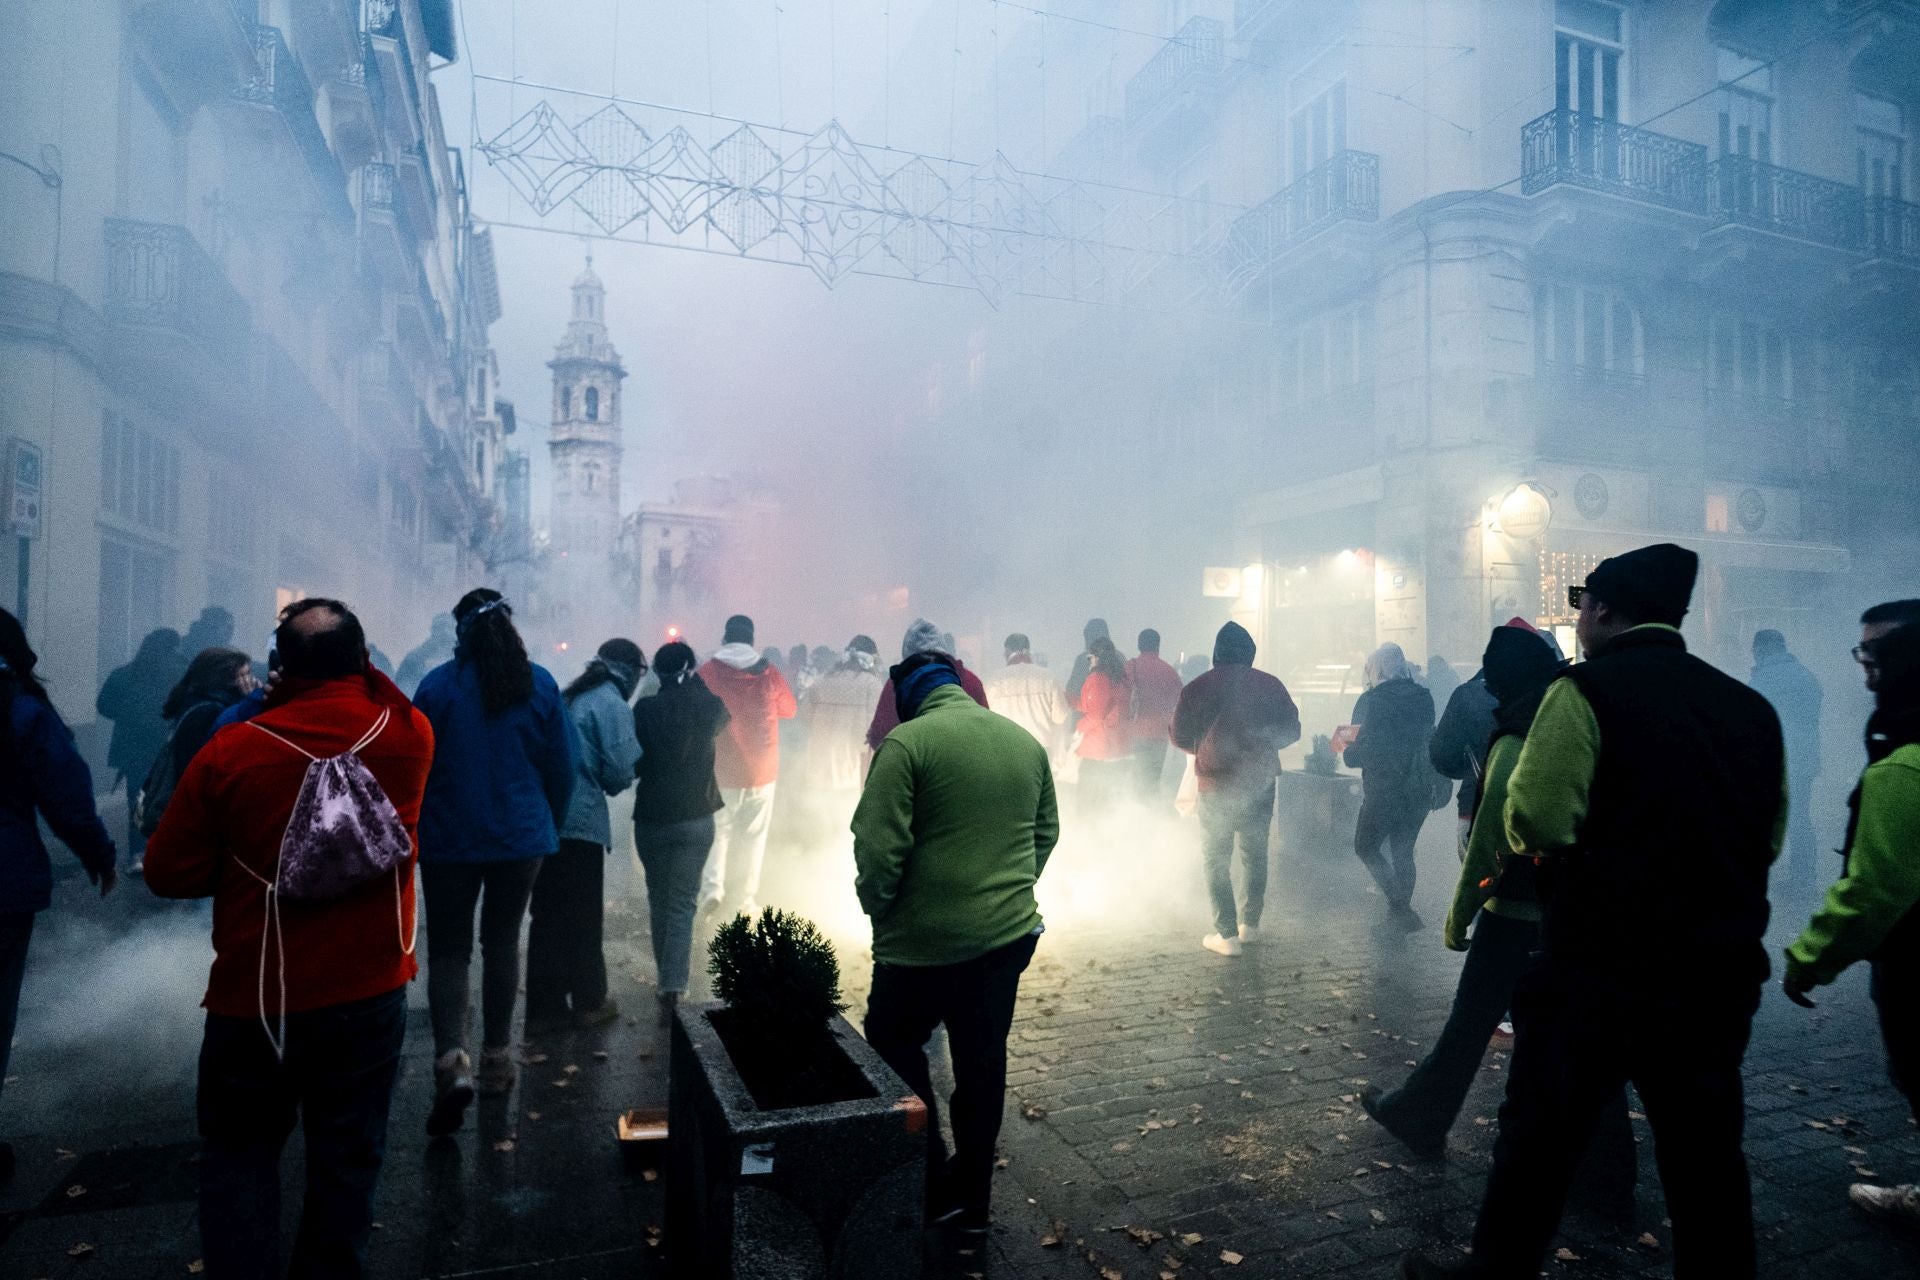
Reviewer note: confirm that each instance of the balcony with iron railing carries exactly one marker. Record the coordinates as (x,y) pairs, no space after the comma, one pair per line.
(280,84)
(1190,61)
(1569,148)
(1766,197)
(1345,188)
(159,278)
(1892,228)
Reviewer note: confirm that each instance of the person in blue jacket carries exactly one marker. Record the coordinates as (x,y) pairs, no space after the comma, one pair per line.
(503,769)
(41,776)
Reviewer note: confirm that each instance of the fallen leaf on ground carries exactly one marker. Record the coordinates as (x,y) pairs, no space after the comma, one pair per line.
(571,1069)
(1056,1235)
(505,1144)
(1648,1240)
(535,1059)
(81,1250)
(1145,1237)
(1377,1215)
(75,1191)
(1231,1258)
(649,1175)
(1565,1254)
(197,1266)
(1191,1238)
(1033,1111)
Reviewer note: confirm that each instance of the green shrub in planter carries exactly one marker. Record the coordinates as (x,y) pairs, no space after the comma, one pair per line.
(780,982)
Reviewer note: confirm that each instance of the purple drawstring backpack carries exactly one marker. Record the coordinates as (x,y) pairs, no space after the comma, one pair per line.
(343,833)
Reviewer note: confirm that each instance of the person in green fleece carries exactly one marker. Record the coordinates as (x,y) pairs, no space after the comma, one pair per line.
(953,830)
(1872,912)
(1652,792)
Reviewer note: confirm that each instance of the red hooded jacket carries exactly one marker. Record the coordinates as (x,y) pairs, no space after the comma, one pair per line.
(220,838)
(758,698)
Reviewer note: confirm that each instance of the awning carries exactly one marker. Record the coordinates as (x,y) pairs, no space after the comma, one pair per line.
(1715,549)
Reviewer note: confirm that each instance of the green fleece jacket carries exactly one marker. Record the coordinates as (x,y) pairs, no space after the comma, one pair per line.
(1487,850)
(955,826)
(1882,883)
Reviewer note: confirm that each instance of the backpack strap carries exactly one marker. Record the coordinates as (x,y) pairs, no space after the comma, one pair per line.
(366,739)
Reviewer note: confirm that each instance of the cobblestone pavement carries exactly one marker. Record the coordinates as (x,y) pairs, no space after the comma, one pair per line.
(1170,1111)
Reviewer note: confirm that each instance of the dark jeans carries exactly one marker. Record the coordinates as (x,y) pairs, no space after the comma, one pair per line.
(16,931)
(673,854)
(564,953)
(1224,814)
(1424,1108)
(337,1079)
(1397,827)
(1578,1038)
(1896,994)
(451,889)
(1150,763)
(975,1000)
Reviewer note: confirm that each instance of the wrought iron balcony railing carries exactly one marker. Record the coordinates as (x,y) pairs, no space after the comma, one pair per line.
(1756,194)
(1194,53)
(159,277)
(1345,188)
(376,185)
(1605,155)
(1893,228)
(280,83)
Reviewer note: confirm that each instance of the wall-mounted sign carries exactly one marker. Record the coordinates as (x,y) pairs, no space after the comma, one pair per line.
(1220,583)
(23,496)
(1524,513)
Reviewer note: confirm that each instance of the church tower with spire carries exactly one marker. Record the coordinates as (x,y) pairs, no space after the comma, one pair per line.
(584,443)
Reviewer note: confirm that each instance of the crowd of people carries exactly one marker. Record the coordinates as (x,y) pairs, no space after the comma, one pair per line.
(1638,795)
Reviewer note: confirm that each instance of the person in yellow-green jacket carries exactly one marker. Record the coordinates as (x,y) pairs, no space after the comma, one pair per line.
(1652,791)
(953,829)
(1872,912)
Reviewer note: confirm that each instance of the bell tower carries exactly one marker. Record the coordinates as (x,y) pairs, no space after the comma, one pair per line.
(584,442)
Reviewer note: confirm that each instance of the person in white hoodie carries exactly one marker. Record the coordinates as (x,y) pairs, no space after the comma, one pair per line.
(746,765)
(835,712)
(1030,696)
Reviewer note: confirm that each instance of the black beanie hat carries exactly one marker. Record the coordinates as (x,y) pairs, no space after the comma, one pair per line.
(1517,662)
(1233,645)
(739,630)
(1649,584)
(864,644)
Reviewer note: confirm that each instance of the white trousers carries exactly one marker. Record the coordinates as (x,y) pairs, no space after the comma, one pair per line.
(739,846)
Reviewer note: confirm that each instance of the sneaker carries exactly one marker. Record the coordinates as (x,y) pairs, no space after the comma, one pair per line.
(587,1019)
(1504,1031)
(1370,1099)
(1249,935)
(1221,946)
(497,1072)
(1901,1202)
(1407,918)
(452,1092)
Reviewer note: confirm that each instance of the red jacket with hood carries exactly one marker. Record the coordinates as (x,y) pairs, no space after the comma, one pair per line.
(758,698)
(220,838)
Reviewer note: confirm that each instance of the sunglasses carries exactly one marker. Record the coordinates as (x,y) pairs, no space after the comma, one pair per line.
(1864,654)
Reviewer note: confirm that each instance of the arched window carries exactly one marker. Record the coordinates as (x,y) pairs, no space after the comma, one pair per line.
(593,404)
(566,403)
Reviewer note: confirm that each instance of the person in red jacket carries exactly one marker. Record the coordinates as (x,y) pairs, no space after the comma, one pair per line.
(1106,730)
(746,764)
(1233,721)
(921,637)
(327,980)
(1156,696)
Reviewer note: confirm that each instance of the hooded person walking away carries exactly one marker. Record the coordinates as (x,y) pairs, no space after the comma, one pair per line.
(1156,696)
(1030,695)
(1784,681)
(1457,748)
(747,765)
(1234,722)
(1652,792)
(300,825)
(566,957)
(1872,912)
(1395,719)
(41,776)
(1499,900)
(131,699)
(434,650)
(954,828)
(835,713)
(673,806)
(503,770)
(922,637)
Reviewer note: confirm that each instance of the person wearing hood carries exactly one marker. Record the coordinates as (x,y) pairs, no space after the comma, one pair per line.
(757,698)
(1457,748)
(674,801)
(435,650)
(566,959)
(213,629)
(1096,629)
(497,798)
(42,776)
(1234,722)
(1394,718)
(1785,682)
(1651,793)
(1030,696)
(131,700)
(1872,912)
(834,712)
(922,637)
(953,830)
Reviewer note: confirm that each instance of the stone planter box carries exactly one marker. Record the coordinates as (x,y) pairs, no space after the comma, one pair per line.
(833,1192)
(1317,813)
